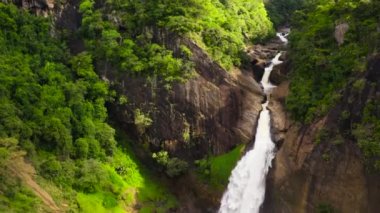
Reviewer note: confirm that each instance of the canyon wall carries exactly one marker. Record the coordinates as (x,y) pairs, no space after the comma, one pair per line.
(319,166)
(218,109)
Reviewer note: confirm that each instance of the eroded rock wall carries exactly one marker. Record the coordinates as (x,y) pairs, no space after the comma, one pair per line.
(312,172)
(219,108)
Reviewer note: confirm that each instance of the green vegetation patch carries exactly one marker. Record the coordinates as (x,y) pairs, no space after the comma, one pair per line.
(52,106)
(216,170)
(281,11)
(14,195)
(367,132)
(220,27)
(90,203)
(321,67)
(140,188)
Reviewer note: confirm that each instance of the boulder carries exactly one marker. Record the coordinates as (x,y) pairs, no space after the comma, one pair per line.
(279,73)
(258,68)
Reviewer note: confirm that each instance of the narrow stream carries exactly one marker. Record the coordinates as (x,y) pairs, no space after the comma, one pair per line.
(246,189)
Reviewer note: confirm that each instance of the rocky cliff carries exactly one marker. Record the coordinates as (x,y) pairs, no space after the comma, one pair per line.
(319,166)
(216,108)
(209,114)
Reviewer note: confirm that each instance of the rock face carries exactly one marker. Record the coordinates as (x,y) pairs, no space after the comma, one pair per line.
(314,170)
(39,7)
(340,31)
(279,73)
(216,108)
(307,176)
(260,56)
(279,121)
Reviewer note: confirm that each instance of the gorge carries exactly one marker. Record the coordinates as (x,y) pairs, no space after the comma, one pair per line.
(189,106)
(246,189)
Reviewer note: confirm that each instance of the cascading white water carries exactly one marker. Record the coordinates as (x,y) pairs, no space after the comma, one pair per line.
(246,189)
(282,37)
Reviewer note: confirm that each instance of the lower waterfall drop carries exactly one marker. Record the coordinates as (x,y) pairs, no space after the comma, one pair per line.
(246,188)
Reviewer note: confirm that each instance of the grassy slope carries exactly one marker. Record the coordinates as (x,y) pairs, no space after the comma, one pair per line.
(141,190)
(216,170)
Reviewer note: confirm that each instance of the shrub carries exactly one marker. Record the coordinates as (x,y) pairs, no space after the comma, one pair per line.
(162,157)
(123,100)
(82,147)
(51,168)
(325,208)
(176,167)
(109,201)
(91,176)
(173,166)
(359,84)
(142,121)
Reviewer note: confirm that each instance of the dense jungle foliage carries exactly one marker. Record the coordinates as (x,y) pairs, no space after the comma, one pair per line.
(121,30)
(322,68)
(52,108)
(52,102)
(281,11)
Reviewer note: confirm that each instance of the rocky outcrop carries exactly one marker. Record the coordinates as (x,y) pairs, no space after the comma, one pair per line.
(319,166)
(308,176)
(279,73)
(216,108)
(340,31)
(260,56)
(39,7)
(279,121)
(258,68)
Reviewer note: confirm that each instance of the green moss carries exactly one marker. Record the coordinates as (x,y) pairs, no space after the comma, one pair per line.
(344,115)
(338,140)
(142,120)
(322,136)
(326,156)
(359,84)
(325,208)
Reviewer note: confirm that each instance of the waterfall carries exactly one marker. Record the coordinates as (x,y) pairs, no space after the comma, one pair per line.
(246,188)
(282,37)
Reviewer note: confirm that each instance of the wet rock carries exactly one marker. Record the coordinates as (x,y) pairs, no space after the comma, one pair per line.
(279,73)
(278,122)
(258,68)
(284,56)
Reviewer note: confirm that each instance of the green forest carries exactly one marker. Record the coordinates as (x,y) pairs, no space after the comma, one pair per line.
(55,123)
(53,110)
(53,102)
(323,69)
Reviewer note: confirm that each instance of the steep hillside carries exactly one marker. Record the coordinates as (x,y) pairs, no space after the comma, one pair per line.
(329,159)
(52,106)
(168,71)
